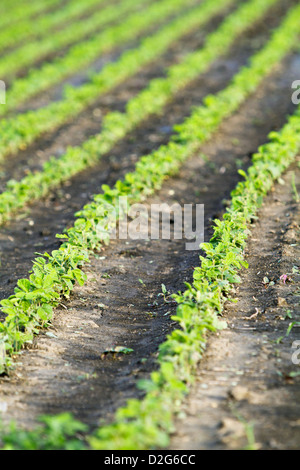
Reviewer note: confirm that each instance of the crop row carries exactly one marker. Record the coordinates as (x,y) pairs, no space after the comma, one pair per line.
(27,29)
(81,54)
(76,32)
(138,425)
(54,275)
(149,101)
(13,13)
(21,130)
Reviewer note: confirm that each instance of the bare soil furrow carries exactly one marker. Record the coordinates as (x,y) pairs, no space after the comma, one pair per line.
(248,380)
(88,123)
(48,57)
(72,370)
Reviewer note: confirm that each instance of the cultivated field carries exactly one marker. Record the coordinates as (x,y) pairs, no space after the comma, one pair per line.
(116,331)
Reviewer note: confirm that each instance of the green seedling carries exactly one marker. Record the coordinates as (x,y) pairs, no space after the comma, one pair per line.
(164,293)
(249,430)
(292,325)
(118,350)
(106,276)
(287,314)
(199,307)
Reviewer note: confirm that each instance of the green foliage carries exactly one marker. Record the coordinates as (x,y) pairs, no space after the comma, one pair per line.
(151,101)
(139,425)
(55,275)
(91,45)
(13,12)
(27,29)
(200,306)
(60,432)
(19,131)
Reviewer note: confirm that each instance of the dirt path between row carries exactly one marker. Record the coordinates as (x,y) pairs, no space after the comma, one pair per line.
(248,386)
(35,229)
(158,129)
(71,367)
(68,368)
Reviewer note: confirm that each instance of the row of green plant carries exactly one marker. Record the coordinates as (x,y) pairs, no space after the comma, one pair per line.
(38,80)
(27,29)
(19,131)
(116,125)
(139,424)
(167,386)
(54,275)
(6,5)
(83,36)
(14,13)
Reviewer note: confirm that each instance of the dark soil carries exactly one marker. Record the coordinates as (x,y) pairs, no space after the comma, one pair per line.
(88,123)
(61,26)
(48,57)
(247,379)
(69,366)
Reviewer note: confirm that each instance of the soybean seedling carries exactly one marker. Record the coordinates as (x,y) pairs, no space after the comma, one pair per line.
(165,294)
